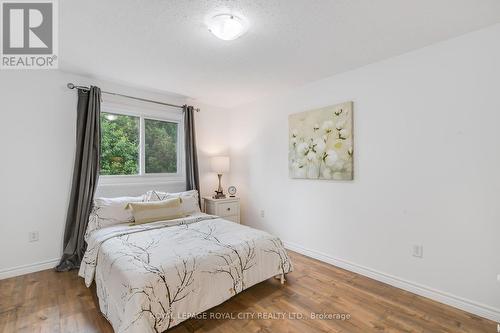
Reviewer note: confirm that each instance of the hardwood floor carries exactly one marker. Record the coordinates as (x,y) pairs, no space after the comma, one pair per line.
(59,302)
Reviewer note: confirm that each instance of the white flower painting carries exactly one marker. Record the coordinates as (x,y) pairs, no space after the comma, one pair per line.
(321,143)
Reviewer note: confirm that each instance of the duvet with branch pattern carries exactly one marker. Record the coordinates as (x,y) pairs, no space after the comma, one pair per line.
(152,277)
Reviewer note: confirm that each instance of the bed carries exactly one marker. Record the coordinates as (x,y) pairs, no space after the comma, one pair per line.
(151,277)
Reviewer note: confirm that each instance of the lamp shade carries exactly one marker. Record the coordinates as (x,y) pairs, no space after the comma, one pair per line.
(219,164)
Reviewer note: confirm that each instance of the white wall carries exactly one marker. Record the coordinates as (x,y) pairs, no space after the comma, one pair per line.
(37,139)
(427,161)
(212,132)
(37,133)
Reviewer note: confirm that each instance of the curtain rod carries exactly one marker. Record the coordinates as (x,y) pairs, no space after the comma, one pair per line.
(72,86)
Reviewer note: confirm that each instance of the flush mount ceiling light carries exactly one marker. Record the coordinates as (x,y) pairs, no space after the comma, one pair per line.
(227,26)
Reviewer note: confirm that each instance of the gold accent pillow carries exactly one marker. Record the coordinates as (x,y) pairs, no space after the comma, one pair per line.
(146,212)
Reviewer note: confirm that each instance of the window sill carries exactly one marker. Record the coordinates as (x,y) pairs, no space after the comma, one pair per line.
(143,179)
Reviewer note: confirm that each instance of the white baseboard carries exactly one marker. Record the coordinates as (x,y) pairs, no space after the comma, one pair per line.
(478,309)
(26,269)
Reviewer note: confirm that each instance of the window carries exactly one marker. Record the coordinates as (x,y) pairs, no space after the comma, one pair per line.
(119,144)
(138,144)
(160,146)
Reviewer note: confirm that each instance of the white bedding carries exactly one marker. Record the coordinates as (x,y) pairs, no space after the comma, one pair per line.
(152,277)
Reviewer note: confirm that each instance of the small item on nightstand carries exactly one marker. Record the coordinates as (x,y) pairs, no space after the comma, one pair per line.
(232,191)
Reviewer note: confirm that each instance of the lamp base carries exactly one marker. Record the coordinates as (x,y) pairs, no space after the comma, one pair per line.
(219,195)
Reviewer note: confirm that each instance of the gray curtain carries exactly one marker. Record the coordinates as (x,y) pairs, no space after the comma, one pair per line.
(192,177)
(85,176)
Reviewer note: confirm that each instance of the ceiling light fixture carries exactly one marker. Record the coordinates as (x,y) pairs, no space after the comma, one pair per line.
(227,26)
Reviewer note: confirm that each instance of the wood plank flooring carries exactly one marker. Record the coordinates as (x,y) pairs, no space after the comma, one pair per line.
(59,302)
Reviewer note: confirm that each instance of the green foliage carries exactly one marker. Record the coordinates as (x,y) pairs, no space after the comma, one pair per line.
(160,146)
(119,145)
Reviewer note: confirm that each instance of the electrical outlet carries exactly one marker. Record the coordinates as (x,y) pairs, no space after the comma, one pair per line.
(498,278)
(33,236)
(262,213)
(418,251)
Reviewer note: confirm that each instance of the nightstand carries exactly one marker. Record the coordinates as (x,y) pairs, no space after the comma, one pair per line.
(228,208)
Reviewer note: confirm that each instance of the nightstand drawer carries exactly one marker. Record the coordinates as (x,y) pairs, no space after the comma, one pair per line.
(228,209)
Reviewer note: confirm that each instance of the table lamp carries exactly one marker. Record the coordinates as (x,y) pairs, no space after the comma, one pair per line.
(219,165)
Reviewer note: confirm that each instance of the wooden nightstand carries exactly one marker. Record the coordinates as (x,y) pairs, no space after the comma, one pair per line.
(228,208)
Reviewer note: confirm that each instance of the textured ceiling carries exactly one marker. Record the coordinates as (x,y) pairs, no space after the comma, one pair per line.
(164,44)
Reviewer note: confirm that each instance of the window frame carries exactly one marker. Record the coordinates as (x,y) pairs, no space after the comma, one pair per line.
(165,114)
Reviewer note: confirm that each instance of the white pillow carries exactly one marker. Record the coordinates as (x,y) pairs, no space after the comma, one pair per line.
(189,204)
(110,211)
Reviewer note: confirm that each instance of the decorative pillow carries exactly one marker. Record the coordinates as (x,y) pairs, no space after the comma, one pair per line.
(189,202)
(146,212)
(109,211)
